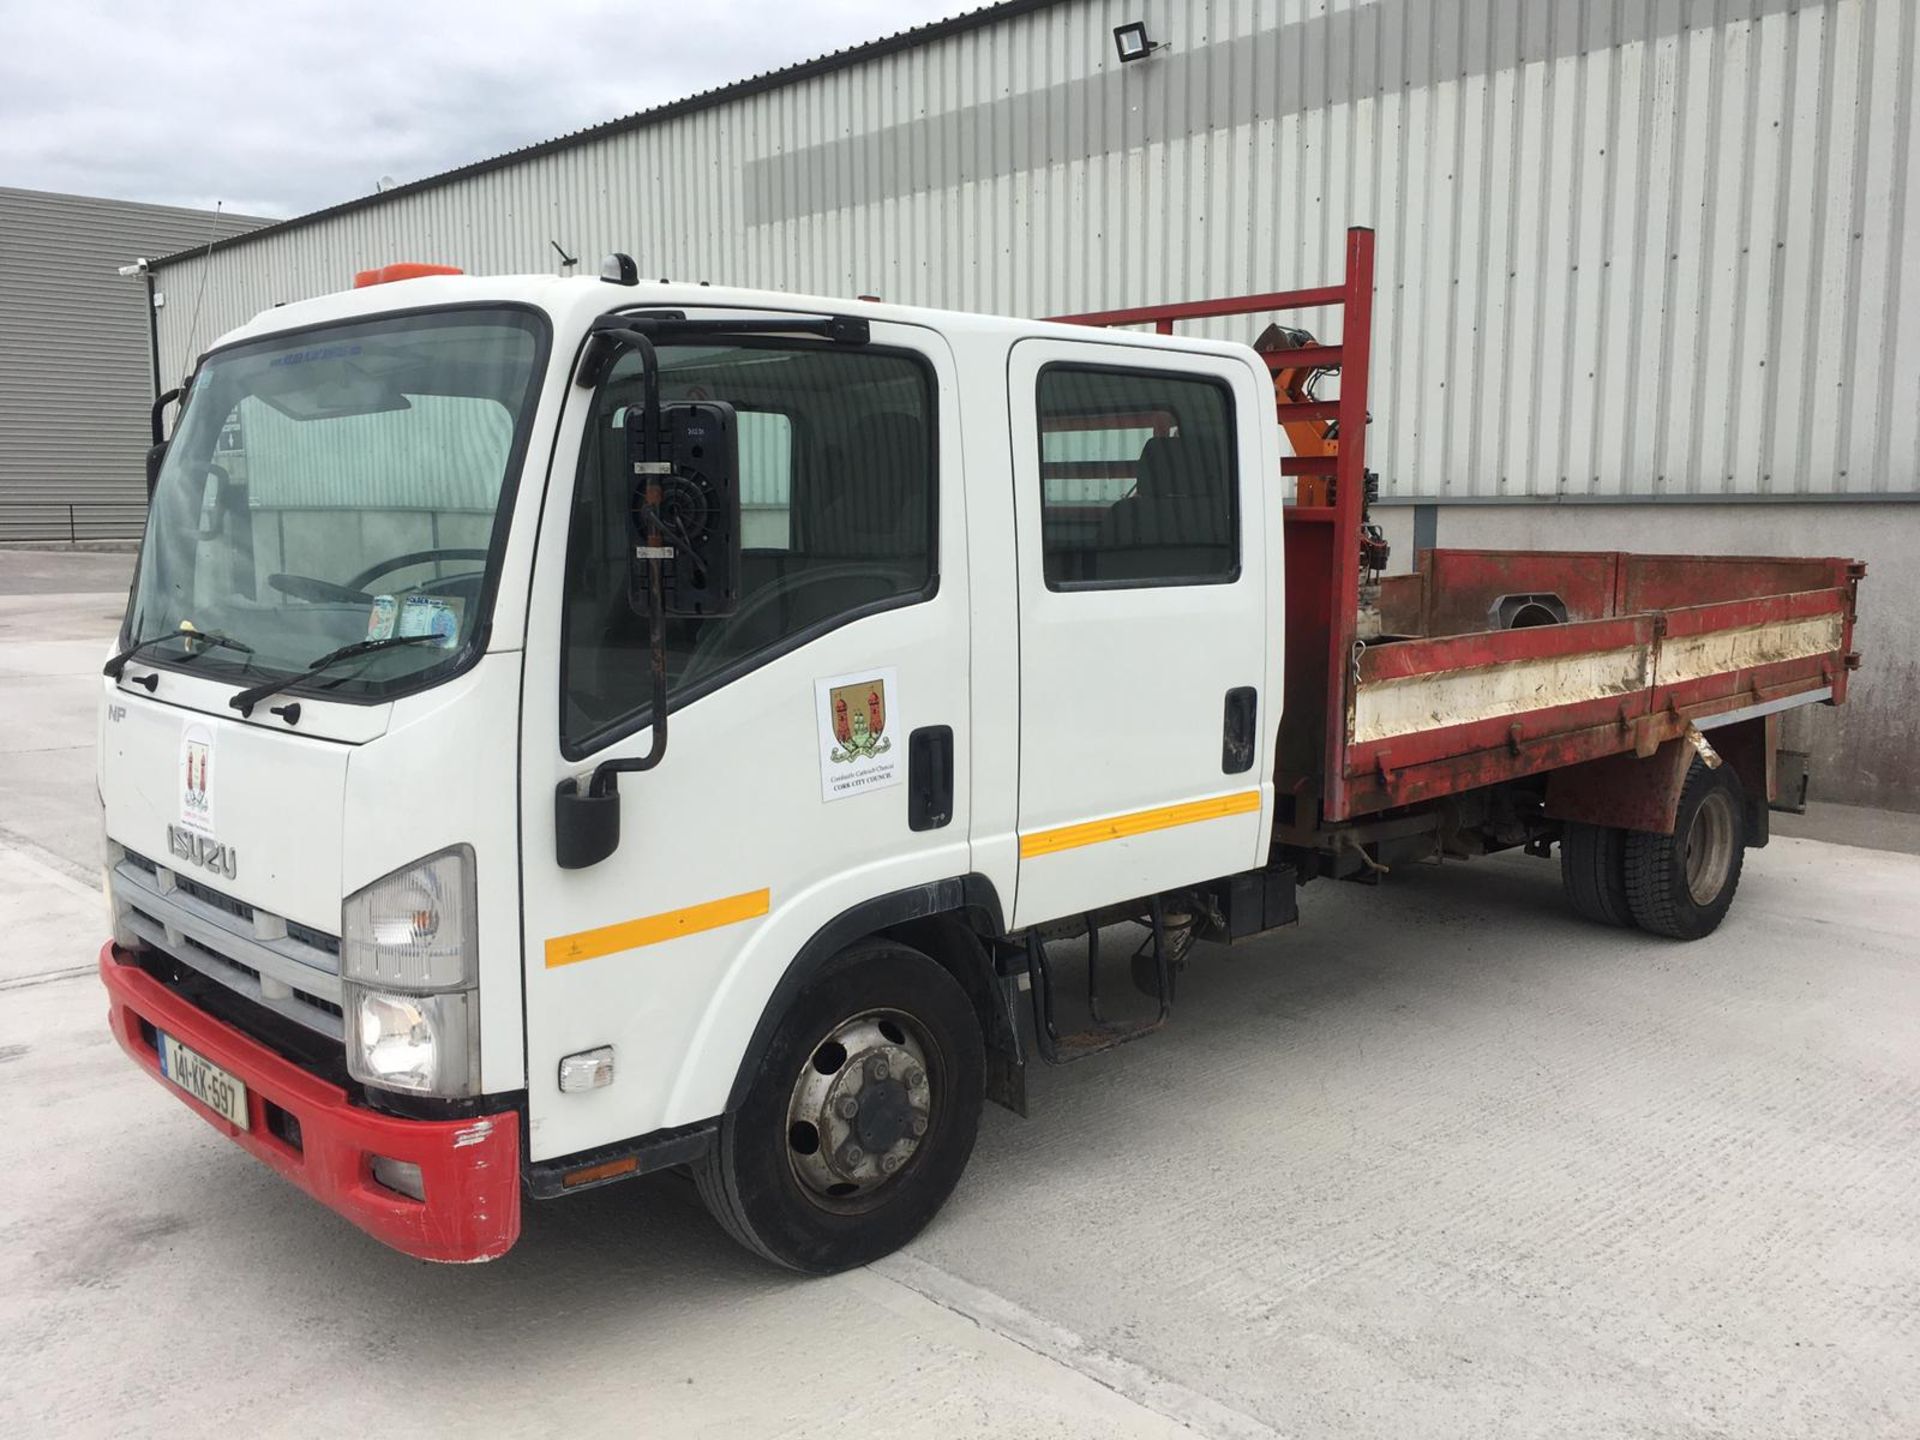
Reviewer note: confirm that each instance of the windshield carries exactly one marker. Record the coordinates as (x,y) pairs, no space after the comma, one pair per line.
(341,485)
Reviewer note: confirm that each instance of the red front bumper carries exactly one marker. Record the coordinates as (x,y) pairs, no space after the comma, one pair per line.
(471,1168)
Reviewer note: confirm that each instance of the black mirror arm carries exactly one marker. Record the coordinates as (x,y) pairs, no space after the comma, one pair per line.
(154,416)
(157,452)
(605,775)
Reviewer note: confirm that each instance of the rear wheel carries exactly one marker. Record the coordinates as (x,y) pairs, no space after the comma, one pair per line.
(860,1117)
(1593,870)
(1681,885)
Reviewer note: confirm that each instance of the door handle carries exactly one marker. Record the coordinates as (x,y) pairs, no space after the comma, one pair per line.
(1237,743)
(930,777)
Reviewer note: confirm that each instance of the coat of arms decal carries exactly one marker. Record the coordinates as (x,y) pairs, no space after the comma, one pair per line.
(858,716)
(859,721)
(196,779)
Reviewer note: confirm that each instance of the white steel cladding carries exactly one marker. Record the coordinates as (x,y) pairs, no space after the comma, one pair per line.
(1626,247)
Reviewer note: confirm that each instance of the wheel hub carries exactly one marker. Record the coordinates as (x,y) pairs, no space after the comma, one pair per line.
(885,1110)
(861,1106)
(1709,853)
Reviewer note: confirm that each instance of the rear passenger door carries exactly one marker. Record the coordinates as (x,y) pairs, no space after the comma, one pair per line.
(1142,552)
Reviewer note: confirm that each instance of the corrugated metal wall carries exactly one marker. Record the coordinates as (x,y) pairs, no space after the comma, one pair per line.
(76,377)
(1627,247)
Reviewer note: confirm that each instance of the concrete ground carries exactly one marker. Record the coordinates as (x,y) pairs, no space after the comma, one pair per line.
(1854,825)
(1442,1161)
(59,612)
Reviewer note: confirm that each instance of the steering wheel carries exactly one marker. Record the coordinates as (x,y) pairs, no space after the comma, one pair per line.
(716,645)
(312,587)
(354,592)
(413,557)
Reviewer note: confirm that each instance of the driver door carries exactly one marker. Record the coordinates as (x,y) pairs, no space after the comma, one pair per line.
(791,788)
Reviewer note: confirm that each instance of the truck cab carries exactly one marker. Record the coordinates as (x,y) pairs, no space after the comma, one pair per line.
(568,728)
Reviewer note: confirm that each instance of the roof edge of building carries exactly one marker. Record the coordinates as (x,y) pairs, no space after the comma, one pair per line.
(641,119)
(182,211)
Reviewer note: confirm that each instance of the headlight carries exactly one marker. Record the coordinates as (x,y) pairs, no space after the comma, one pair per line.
(413,929)
(408,955)
(421,1044)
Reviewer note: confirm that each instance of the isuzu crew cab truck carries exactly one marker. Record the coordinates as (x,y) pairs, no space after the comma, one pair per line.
(570,728)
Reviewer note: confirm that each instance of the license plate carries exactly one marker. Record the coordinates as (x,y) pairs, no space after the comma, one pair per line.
(204,1080)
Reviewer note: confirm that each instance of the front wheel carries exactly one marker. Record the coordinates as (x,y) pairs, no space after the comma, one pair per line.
(860,1116)
(1681,885)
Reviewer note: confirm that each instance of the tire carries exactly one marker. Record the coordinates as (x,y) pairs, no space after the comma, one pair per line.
(800,1201)
(1593,871)
(1681,885)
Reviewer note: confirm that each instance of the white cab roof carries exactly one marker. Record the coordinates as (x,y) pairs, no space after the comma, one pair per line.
(572,303)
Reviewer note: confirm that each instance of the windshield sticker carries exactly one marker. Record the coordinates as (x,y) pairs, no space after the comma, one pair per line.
(325,352)
(859,715)
(381,617)
(196,779)
(431,615)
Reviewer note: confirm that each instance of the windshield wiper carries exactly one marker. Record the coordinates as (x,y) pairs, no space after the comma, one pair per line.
(213,639)
(247,699)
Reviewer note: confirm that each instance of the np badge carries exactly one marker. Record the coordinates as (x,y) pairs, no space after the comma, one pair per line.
(859,715)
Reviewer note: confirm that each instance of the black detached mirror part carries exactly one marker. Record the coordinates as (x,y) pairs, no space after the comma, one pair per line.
(156,457)
(157,451)
(697,513)
(586,827)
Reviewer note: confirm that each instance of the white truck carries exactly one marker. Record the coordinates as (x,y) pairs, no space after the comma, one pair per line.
(569,728)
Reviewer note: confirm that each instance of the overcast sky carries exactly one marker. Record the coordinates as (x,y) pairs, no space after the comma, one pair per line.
(277,107)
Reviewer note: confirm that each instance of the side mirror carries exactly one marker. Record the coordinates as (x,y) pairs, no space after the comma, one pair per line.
(684,518)
(586,826)
(156,424)
(697,522)
(156,457)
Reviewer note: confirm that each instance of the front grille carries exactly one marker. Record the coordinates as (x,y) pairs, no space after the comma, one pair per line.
(239,909)
(313,1052)
(289,969)
(212,954)
(318,939)
(252,974)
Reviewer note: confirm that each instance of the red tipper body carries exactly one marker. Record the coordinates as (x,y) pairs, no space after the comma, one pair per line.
(1443,699)
(470,1167)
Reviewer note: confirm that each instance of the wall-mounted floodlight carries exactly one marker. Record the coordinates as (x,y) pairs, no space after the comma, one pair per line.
(1132,42)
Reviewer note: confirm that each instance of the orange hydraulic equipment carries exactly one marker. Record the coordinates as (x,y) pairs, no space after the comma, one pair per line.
(1298,361)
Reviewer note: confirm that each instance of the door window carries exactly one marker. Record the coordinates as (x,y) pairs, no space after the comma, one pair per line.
(1137,478)
(766,480)
(837,472)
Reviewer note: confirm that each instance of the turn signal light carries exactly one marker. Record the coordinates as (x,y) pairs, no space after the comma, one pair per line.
(588,1070)
(404,270)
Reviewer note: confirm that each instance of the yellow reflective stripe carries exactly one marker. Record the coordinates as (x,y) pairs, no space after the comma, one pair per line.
(1140,822)
(652,929)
